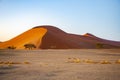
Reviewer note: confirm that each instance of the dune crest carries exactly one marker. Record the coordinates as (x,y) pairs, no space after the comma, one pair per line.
(50,37)
(89,35)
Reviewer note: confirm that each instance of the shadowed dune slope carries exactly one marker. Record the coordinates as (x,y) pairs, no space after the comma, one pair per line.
(50,37)
(58,39)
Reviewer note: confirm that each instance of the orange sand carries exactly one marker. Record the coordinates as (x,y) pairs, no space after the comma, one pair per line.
(33,36)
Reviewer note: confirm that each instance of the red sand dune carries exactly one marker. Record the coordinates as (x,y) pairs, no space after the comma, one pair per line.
(50,37)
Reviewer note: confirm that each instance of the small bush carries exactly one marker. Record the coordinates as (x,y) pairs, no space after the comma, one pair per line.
(26,62)
(1,62)
(15,63)
(117,61)
(105,62)
(7,62)
(77,60)
(99,45)
(88,61)
(70,60)
(11,47)
(73,60)
(9,65)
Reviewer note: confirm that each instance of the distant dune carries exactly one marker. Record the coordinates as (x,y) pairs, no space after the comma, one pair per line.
(50,37)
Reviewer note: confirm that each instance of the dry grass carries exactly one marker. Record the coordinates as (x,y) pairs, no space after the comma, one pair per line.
(10,63)
(117,61)
(26,62)
(1,62)
(105,62)
(1,65)
(73,60)
(90,61)
(77,60)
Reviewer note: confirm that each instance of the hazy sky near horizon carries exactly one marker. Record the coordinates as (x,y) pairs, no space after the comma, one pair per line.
(99,17)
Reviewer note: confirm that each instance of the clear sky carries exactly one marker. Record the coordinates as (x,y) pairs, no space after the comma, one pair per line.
(99,17)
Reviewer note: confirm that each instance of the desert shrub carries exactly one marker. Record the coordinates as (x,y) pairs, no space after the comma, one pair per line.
(1,62)
(105,62)
(7,62)
(117,61)
(14,63)
(88,61)
(99,45)
(11,47)
(77,60)
(10,65)
(73,60)
(29,46)
(26,62)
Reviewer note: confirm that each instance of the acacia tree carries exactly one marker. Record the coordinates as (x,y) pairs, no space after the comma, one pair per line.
(29,46)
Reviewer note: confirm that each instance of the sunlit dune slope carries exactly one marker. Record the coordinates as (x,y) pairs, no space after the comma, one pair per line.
(32,36)
(50,37)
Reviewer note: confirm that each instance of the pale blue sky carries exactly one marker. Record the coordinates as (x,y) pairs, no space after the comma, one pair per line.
(99,17)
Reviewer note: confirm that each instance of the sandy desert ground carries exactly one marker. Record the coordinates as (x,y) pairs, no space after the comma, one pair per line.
(58,65)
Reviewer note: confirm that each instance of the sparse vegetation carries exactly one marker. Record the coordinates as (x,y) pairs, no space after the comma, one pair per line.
(12,62)
(26,62)
(1,62)
(88,61)
(29,46)
(77,60)
(105,62)
(73,60)
(11,47)
(9,65)
(99,45)
(117,61)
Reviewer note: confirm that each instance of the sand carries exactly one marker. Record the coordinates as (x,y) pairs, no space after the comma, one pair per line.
(32,36)
(54,65)
(50,37)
